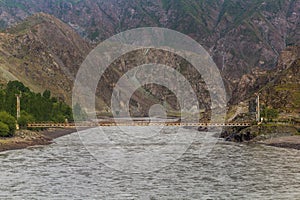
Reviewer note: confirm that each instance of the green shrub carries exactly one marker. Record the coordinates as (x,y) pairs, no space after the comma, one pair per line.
(269,114)
(42,107)
(24,119)
(79,114)
(10,121)
(4,130)
(59,118)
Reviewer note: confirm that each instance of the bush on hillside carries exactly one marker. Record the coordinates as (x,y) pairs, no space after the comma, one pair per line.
(10,121)
(24,119)
(4,130)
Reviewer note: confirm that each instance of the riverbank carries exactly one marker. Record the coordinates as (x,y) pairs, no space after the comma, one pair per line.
(284,136)
(291,142)
(26,138)
(278,136)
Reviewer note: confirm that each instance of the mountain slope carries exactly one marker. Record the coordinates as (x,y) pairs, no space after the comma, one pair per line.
(279,88)
(244,38)
(283,92)
(239,34)
(44,53)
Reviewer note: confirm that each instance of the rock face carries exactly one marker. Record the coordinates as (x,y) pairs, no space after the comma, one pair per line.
(287,57)
(239,34)
(278,88)
(258,133)
(284,92)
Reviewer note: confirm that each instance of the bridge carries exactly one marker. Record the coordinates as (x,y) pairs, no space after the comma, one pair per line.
(107,124)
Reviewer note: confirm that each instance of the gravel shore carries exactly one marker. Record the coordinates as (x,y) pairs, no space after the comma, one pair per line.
(25,138)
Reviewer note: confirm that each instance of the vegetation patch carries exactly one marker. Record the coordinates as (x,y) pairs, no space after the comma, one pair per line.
(35,107)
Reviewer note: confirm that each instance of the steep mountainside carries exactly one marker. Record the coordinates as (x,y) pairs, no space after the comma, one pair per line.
(279,88)
(44,53)
(283,92)
(150,94)
(239,34)
(245,39)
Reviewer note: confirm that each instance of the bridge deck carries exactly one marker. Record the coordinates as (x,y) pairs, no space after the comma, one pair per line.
(90,124)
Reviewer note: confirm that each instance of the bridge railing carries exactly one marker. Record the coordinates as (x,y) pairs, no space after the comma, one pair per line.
(95,124)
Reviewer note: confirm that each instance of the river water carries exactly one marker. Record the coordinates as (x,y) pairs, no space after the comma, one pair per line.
(66,170)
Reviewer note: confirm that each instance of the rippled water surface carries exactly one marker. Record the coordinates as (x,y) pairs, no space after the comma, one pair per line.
(66,170)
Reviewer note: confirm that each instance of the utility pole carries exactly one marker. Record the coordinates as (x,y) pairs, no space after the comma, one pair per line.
(258,109)
(18,108)
(18,105)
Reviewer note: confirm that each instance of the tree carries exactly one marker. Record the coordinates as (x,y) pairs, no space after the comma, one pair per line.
(47,94)
(59,118)
(37,107)
(17,86)
(13,88)
(2,99)
(10,121)
(4,130)
(269,113)
(79,114)
(25,119)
